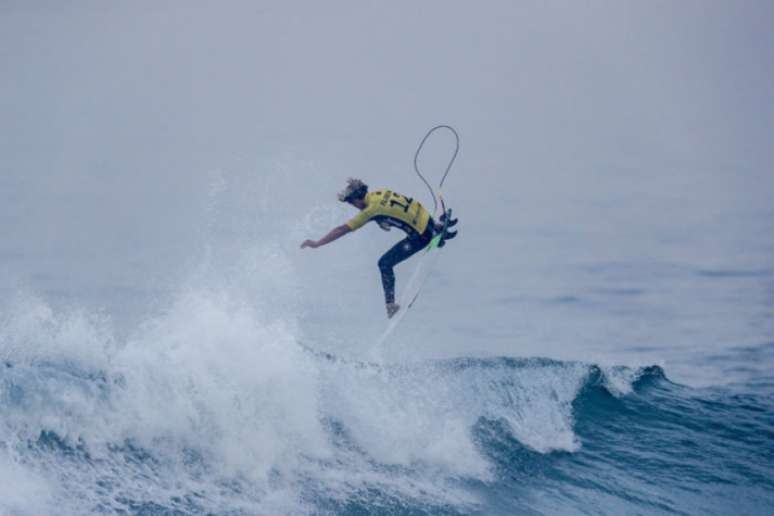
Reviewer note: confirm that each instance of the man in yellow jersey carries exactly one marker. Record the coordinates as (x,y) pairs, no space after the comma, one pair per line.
(388,209)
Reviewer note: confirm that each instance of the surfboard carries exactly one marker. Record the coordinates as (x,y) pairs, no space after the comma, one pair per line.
(416,281)
(413,287)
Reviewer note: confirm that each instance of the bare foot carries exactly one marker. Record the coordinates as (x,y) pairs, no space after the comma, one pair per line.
(392,309)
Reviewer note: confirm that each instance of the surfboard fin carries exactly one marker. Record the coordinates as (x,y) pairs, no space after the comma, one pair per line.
(448,222)
(447,236)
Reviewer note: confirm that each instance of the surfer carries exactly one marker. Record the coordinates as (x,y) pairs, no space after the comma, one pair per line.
(388,209)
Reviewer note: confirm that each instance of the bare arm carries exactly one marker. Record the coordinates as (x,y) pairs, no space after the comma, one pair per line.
(335,233)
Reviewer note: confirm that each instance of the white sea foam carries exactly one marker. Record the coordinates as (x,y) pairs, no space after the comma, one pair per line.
(23,492)
(216,390)
(618,380)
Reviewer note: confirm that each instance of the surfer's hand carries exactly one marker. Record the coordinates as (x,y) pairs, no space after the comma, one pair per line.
(309,243)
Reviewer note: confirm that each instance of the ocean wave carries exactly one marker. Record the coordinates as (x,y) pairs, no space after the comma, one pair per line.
(213,408)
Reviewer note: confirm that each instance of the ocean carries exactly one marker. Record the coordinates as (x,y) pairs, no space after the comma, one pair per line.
(256,386)
(599,338)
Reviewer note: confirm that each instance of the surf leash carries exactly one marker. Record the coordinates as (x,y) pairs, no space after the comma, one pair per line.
(448,167)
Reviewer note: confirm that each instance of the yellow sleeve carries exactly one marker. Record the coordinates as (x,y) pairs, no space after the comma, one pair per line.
(360,219)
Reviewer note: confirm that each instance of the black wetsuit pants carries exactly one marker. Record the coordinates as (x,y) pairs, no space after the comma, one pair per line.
(397,253)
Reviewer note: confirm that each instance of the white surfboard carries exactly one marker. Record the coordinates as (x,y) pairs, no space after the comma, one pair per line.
(410,292)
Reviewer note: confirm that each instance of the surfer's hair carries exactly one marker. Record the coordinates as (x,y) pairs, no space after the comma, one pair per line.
(355,189)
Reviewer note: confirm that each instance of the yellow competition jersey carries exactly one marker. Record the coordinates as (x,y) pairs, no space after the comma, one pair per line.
(396,210)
